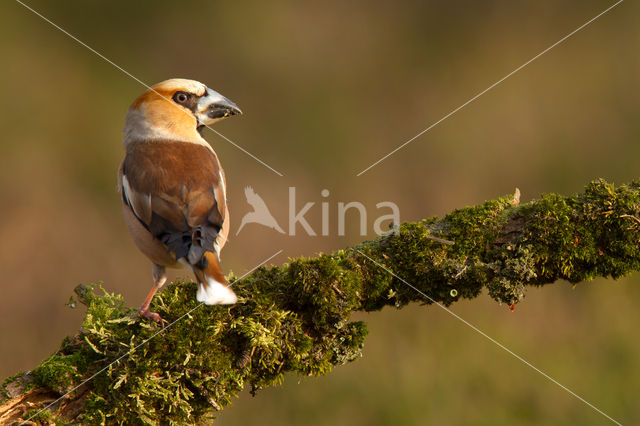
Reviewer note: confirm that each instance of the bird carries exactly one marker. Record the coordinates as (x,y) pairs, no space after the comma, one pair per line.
(173,188)
(260,213)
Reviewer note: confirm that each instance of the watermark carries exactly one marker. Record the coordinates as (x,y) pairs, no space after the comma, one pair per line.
(387,215)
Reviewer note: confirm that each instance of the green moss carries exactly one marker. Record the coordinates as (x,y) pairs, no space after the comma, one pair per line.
(59,372)
(44,417)
(296,318)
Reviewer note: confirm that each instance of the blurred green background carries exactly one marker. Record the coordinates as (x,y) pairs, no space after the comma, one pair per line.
(328,88)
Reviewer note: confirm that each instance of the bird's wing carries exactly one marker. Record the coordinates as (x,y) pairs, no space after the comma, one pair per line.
(255,200)
(252,197)
(176,190)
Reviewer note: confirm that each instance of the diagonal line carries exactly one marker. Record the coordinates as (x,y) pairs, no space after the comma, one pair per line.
(94,375)
(518,357)
(242,149)
(490,87)
(142,83)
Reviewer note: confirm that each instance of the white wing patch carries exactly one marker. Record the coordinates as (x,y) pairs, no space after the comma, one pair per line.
(140,203)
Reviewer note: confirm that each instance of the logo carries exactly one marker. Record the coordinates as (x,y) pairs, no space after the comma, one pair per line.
(262,215)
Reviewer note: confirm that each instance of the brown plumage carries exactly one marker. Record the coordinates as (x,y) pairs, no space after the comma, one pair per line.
(173,187)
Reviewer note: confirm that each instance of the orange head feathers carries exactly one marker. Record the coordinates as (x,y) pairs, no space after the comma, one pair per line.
(176,108)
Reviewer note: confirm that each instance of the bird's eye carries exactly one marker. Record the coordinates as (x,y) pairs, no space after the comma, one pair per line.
(180,97)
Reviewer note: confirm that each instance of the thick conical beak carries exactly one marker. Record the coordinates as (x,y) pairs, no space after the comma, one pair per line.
(214,107)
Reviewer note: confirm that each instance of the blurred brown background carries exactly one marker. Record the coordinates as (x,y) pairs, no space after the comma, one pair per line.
(327,89)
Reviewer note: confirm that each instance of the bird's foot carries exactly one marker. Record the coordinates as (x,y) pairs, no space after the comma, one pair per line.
(146,313)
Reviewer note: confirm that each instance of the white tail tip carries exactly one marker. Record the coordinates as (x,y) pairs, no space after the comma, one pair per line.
(215,293)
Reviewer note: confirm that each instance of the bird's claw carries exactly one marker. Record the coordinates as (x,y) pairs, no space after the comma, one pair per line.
(151,315)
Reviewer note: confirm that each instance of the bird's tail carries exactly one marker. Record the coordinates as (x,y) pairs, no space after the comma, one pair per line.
(213,287)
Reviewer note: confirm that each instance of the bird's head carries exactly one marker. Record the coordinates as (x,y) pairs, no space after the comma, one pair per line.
(176,109)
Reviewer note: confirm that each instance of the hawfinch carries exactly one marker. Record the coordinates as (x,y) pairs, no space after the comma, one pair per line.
(173,187)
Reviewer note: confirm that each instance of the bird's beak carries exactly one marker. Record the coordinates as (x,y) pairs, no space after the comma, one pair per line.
(214,107)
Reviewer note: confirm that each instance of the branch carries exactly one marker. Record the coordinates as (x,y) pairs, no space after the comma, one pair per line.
(295,318)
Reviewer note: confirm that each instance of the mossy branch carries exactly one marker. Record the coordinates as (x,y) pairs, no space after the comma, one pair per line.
(296,318)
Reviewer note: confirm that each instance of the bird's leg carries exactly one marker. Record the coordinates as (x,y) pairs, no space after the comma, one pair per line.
(159,278)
